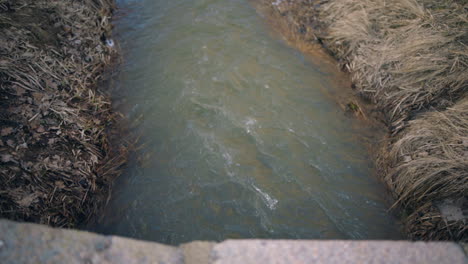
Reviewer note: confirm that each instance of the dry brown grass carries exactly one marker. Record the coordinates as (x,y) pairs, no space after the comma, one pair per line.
(430,157)
(429,164)
(406,55)
(410,57)
(56,159)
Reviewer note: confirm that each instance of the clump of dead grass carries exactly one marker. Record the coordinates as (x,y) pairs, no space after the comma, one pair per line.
(406,55)
(56,159)
(429,164)
(410,57)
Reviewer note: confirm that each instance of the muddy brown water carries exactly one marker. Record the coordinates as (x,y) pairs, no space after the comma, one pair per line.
(242,137)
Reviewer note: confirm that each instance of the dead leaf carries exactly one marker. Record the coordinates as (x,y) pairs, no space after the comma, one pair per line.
(38,97)
(19,91)
(94,159)
(423,154)
(6,131)
(6,158)
(60,184)
(407,159)
(10,143)
(27,200)
(51,84)
(28,54)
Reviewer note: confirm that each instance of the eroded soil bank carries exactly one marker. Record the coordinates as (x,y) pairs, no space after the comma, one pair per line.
(410,58)
(56,161)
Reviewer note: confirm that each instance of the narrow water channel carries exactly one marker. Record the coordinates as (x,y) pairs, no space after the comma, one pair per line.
(241,136)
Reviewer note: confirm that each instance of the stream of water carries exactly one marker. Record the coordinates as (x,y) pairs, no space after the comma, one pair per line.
(242,137)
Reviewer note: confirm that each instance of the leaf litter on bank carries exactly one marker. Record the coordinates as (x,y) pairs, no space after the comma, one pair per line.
(56,161)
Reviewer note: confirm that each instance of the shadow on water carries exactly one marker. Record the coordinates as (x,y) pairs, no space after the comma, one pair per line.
(242,136)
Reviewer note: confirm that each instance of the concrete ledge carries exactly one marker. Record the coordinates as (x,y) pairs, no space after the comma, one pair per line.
(31,243)
(316,251)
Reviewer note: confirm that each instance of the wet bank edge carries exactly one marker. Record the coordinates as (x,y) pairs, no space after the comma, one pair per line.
(403,57)
(32,243)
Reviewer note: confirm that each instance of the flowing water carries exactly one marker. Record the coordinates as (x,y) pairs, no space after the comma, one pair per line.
(242,137)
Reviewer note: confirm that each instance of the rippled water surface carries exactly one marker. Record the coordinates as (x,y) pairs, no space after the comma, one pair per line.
(241,136)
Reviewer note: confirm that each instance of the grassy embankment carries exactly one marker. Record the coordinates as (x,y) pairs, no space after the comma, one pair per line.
(410,58)
(56,163)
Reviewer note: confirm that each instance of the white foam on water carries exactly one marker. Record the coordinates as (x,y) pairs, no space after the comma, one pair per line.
(270,201)
(249,123)
(277,2)
(228,158)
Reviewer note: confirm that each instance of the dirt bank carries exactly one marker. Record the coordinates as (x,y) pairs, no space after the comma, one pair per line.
(56,162)
(410,58)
